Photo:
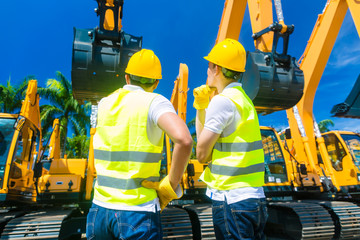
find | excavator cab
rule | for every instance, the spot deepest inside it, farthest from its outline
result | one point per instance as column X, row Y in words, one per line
column 277, row 177
column 344, row 152
column 273, row 80
column 100, row 55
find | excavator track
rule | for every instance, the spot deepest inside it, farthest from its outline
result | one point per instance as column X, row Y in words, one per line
column 6, row 215
column 299, row 220
column 53, row 224
column 346, row 215
column 201, row 219
column 176, row 223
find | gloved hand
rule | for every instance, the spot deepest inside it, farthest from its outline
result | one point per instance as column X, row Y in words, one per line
column 202, row 96
column 163, row 189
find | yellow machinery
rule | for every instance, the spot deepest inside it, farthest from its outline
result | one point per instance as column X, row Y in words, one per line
column 64, row 181
column 304, row 132
column 22, row 215
column 310, row 177
column 21, row 140
column 274, row 82
column 343, row 148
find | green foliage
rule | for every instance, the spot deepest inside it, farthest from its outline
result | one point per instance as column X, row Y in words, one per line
column 64, row 107
column 325, row 124
column 11, row 97
column 77, row 146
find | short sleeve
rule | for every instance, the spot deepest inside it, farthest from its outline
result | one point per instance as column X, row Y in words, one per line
column 219, row 114
column 158, row 107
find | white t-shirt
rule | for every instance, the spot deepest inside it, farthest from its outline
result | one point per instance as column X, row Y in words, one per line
column 158, row 107
column 222, row 117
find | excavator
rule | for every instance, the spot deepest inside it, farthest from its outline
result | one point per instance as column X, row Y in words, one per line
column 300, row 187
column 23, row 216
column 343, row 148
column 315, row 201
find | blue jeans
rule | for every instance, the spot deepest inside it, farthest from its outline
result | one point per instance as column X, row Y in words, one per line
column 104, row 224
column 241, row 220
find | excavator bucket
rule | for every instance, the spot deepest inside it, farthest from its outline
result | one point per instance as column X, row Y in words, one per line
column 100, row 55
column 98, row 65
column 351, row 107
column 273, row 81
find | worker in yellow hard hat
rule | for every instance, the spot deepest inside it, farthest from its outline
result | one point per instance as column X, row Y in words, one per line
column 128, row 145
column 229, row 140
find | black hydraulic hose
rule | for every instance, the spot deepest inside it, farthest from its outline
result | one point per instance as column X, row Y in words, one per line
column 286, row 147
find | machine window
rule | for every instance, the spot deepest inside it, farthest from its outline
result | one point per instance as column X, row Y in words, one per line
column 353, row 143
column 274, row 159
column 6, row 135
column 335, row 150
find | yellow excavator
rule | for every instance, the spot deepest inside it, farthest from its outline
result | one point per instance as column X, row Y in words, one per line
column 298, row 186
column 22, row 215
column 305, row 208
column 275, row 82
column 343, row 148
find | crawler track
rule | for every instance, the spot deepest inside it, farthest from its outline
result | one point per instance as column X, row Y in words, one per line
column 297, row 220
column 176, row 223
column 53, row 224
column 346, row 215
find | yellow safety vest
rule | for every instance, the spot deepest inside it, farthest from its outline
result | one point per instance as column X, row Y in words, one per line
column 238, row 159
column 123, row 154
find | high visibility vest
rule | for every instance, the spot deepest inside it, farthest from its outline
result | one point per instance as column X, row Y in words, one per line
column 123, row 154
column 238, row 159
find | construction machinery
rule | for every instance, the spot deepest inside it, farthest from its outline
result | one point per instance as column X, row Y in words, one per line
column 23, row 216
column 305, row 209
column 300, row 187
column 343, row 148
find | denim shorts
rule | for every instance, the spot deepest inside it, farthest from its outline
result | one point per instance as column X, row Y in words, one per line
column 103, row 223
column 241, row 220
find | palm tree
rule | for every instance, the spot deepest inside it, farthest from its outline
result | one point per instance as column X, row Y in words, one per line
column 78, row 146
column 11, row 96
column 325, row 124
column 64, row 107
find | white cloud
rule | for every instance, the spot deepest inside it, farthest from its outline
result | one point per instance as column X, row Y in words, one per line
column 346, row 124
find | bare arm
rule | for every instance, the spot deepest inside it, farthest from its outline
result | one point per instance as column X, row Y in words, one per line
column 199, row 122
column 205, row 145
column 205, row 138
column 179, row 133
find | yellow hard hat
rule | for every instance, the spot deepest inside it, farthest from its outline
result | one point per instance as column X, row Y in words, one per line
column 229, row 54
column 144, row 64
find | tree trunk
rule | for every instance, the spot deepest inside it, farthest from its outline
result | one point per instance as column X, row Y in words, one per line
column 63, row 145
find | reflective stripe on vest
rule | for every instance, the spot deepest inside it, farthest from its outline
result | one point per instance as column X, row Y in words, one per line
column 127, row 156
column 124, row 184
column 238, row 147
column 124, row 156
column 234, row 171
column 238, row 159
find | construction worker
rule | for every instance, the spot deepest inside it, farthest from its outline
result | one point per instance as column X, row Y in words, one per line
column 128, row 146
column 229, row 140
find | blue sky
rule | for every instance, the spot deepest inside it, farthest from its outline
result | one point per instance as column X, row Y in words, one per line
column 37, row 40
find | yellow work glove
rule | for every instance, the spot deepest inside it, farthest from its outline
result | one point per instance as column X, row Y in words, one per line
column 202, row 96
column 163, row 189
